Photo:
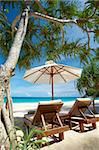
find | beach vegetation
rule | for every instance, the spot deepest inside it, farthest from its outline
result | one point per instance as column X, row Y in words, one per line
column 28, row 141
column 88, row 84
column 40, row 28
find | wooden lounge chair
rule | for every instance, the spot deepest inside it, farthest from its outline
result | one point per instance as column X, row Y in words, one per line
column 80, row 113
column 44, row 118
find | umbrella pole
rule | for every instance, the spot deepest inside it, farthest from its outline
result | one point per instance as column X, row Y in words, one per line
column 52, row 83
column 52, row 88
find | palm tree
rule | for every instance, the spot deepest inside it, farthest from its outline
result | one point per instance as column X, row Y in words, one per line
column 17, row 42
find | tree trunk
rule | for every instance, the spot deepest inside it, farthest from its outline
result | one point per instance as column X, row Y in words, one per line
column 7, row 131
column 4, row 141
column 9, row 105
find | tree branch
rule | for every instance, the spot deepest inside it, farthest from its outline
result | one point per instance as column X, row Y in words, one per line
column 88, row 36
column 55, row 20
column 46, row 17
column 52, row 19
column 62, row 32
column 15, row 22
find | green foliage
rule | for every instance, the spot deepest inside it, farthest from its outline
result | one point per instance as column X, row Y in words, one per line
column 97, row 55
column 46, row 36
column 89, row 17
column 70, row 49
column 68, row 9
column 6, row 38
column 30, row 51
column 88, row 84
column 28, row 141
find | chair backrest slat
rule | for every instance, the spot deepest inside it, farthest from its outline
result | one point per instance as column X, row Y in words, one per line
column 48, row 110
column 82, row 104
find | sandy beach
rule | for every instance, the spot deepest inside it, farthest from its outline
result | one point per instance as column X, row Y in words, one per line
column 73, row 140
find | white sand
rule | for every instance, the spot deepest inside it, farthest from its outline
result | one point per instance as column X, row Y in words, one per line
column 22, row 108
column 77, row 141
column 73, row 140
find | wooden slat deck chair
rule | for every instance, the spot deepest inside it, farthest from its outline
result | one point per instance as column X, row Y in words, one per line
column 81, row 113
column 44, row 118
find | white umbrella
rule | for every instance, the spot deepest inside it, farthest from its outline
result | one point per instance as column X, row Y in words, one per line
column 51, row 73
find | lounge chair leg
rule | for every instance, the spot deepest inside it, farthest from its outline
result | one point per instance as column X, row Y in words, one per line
column 61, row 136
column 81, row 126
column 70, row 124
column 94, row 125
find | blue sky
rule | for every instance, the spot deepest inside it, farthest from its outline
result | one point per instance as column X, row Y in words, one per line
column 19, row 87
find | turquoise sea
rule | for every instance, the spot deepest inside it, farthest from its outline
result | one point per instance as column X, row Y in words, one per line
column 38, row 99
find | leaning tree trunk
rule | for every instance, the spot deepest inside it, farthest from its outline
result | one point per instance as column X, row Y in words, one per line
column 7, row 131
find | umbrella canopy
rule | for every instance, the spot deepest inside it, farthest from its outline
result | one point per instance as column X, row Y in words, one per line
column 51, row 73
